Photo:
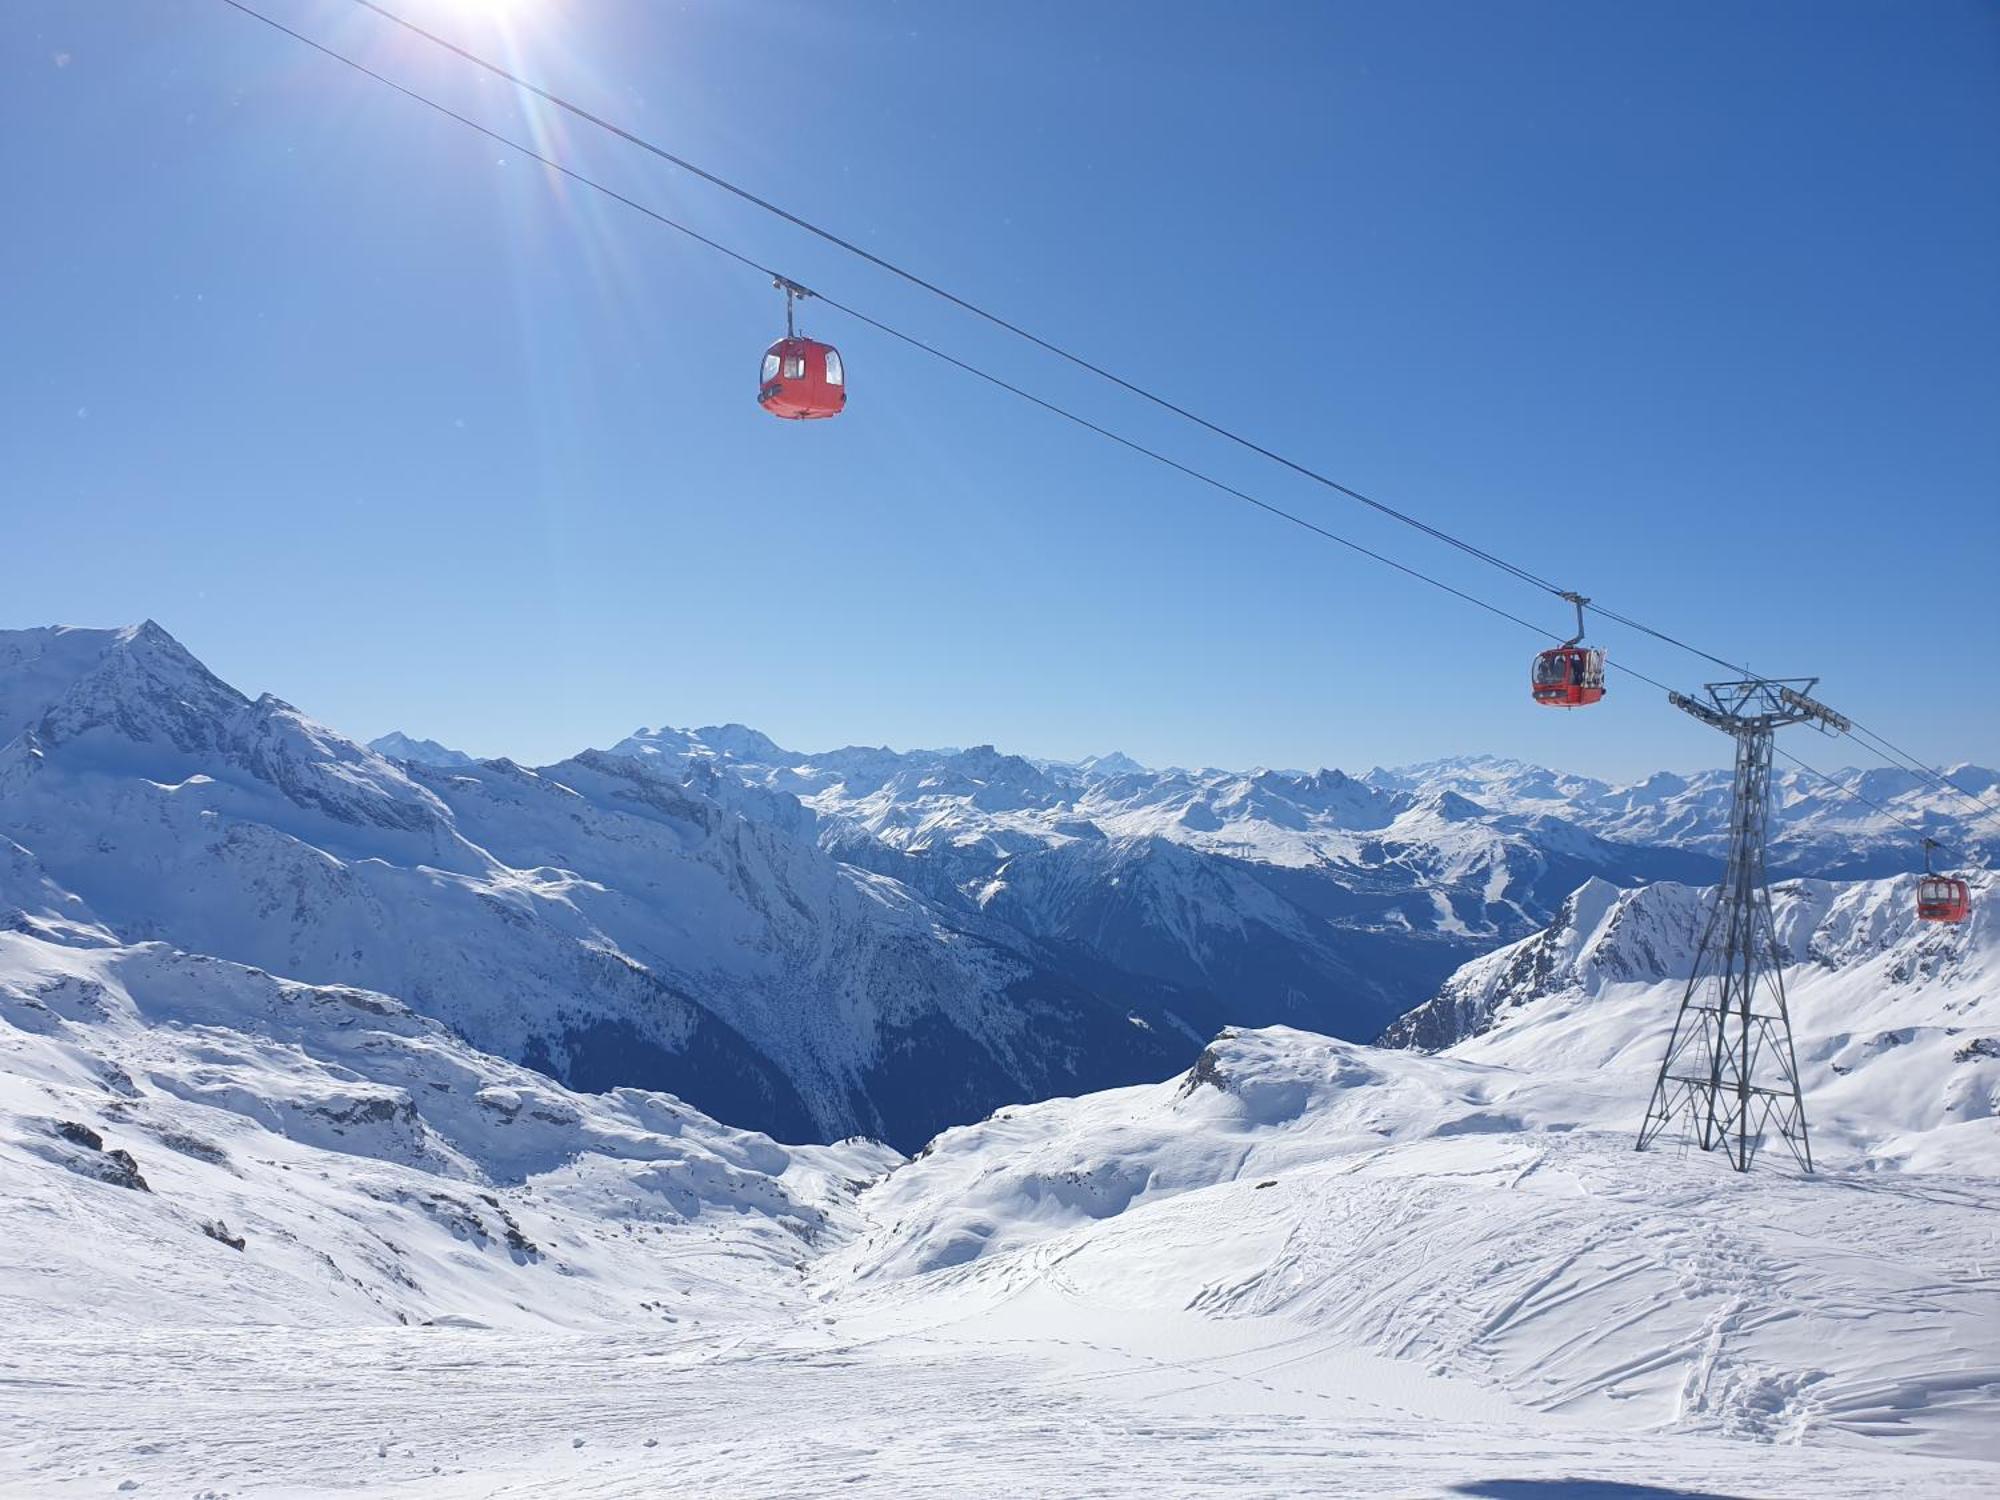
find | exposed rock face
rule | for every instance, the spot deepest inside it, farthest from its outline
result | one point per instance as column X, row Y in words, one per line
column 79, row 1135
column 1594, row 936
column 83, row 1153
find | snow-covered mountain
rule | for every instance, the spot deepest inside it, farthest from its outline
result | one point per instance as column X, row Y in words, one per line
column 1308, row 898
column 1312, row 899
column 813, row 945
column 396, row 745
column 608, row 921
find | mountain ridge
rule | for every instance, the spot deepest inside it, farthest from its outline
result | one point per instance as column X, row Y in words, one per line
column 606, row 920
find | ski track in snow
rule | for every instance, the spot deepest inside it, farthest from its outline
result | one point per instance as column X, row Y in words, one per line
column 1138, row 1407
column 1271, row 1301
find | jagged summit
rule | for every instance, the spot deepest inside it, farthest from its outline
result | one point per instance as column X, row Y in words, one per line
column 135, row 702
column 399, row 746
column 42, row 666
column 1449, row 806
column 1112, row 763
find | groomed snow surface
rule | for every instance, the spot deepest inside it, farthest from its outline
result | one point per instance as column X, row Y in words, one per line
column 344, row 1253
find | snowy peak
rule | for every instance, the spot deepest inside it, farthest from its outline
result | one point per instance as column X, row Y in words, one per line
column 1323, row 796
column 1234, row 807
column 1448, row 807
column 741, row 742
column 134, row 701
column 1599, row 932
column 61, row 682
column 396, row 745
column 982, row 776
column 38, row 666
column 1114, row 763
column 735, row 742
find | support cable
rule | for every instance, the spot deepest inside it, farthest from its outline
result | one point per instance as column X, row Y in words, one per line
column 963, row 303
column 1883, row 747
column 1849, row 791
column 895, row 333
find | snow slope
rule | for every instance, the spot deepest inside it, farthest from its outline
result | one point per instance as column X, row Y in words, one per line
column 1305, row 1265
column 330, row 1158
column 1896, row 1021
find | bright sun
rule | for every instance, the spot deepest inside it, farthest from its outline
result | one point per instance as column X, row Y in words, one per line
column 504, row 15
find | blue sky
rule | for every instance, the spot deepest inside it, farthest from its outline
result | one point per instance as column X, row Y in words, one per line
column 1694, row 307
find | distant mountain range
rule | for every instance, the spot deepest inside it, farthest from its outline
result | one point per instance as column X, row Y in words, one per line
column 1863, row 825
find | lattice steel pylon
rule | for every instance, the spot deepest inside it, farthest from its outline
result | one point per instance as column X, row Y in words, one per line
column 1730, row 1067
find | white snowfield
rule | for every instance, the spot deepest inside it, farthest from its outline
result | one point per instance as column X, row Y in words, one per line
column 260, row 1238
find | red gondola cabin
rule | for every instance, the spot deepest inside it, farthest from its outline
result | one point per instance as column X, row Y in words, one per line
column 802, row 379
column 1943, row 898
column 1569, row 676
